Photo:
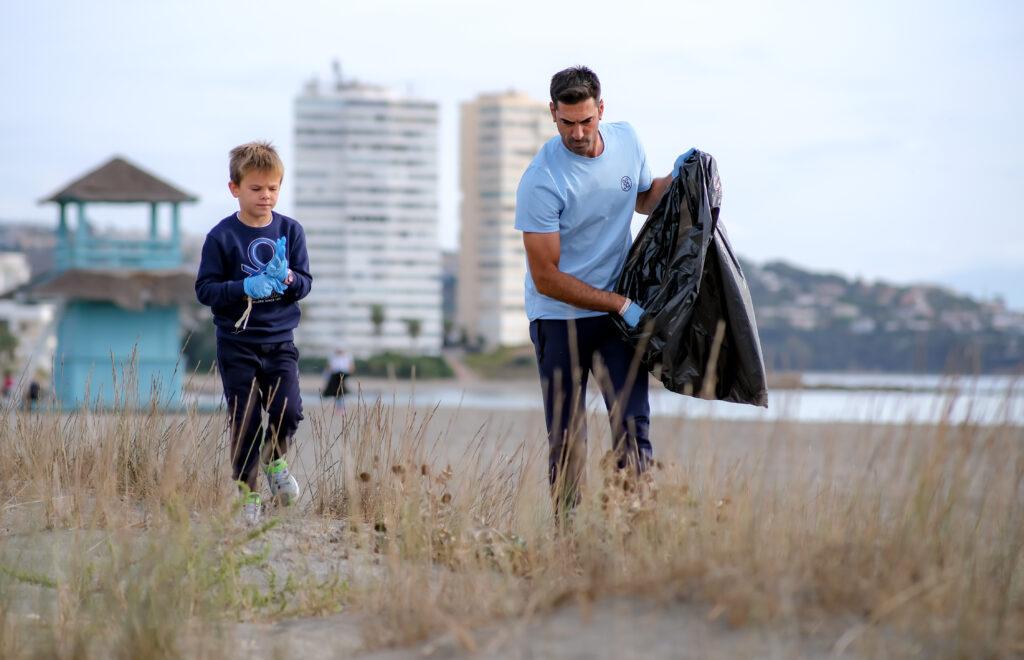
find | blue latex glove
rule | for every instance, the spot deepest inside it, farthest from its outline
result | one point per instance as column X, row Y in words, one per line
column 679, row 162
column 632, row 314
column 278, row 267
column 258, row 286
column 276, row 285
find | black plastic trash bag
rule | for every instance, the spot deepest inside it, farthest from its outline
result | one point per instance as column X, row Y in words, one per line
column 682, row 271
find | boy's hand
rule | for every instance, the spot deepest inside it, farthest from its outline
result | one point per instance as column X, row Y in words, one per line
column 276, row 285
column 277, row 269
column 259, row 286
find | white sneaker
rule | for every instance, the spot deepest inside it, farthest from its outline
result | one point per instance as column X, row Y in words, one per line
column 283, row 486
column 252, row 508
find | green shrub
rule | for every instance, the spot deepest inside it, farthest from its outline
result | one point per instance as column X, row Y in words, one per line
column 312, row 364
column 504, row 362
column 385, row 365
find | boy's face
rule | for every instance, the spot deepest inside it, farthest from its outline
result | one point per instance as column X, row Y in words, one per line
column 257, row 195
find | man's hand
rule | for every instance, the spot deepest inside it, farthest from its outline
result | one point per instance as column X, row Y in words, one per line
column 277, row 269
column 633, row 313
column 679, row 162
column 259, row 286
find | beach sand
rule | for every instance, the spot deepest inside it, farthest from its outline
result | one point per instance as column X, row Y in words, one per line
column 769, row 455
column 838, row 456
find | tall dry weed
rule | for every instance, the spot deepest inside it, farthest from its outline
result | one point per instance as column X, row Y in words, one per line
column 918, row 532
column 911, row 530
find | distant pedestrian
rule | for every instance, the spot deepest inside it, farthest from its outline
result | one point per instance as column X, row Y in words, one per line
column 253, row 273
column 32, row 395
column 574, row 206
column 339, row 367
column 8, row 387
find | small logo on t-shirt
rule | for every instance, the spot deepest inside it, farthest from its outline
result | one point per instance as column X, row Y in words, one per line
column 627, row 183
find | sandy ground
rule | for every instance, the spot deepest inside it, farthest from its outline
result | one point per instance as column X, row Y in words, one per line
column 611, row 628
column 781, row 449
column 616, row 627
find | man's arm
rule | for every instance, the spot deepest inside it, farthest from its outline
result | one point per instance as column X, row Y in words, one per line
column 542, row 253
column 648, row 199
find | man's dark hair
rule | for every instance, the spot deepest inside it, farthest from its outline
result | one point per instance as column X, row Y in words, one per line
column 575, row 84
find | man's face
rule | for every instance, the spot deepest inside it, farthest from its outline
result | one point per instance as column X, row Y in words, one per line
column 577, row 124
column 257, row 194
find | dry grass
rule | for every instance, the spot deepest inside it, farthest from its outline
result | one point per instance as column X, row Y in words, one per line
column 918, row 534
column 924, row 536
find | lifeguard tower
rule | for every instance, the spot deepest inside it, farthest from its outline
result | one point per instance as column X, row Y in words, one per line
column 119, row 333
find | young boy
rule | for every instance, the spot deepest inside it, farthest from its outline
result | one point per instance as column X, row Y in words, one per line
column 253, row 272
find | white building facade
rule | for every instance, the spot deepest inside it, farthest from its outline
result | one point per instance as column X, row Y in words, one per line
column 34, row 326
column 366, row 186
column 14, row 270
column 500, row 135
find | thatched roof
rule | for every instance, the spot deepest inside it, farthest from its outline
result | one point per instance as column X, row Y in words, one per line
column 118, row 180
column 129, row 289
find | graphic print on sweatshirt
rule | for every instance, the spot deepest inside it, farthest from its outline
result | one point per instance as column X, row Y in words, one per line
column 260, row 252
column 258, row 258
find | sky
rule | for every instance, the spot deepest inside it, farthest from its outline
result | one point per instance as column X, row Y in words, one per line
column 874, row 139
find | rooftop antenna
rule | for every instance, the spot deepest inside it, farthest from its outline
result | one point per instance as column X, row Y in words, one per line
column 336, row 68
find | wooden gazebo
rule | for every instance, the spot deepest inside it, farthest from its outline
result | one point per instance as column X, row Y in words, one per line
column 119, row 333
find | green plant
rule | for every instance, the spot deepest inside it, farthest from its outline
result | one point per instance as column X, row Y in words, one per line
column 312, row 364
column 385, row 365
column 504, row 362
column 377, row 318
column 414, row 327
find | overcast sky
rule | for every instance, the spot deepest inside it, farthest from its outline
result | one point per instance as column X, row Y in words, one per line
column 873, row 138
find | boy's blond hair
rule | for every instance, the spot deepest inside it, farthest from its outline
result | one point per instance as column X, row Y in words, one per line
column 254, row 156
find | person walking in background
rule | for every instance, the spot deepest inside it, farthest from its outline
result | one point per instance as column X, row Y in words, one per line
column 8, row 384
column 574, row 206
column 339, row 367
column 254, row 271
column 33, row 393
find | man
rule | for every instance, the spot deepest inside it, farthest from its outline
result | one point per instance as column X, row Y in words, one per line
column 574, row 206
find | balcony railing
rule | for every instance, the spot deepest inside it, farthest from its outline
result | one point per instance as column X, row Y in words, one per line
column 116, row 253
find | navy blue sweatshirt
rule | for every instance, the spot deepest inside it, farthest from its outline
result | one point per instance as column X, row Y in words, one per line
column 234, row 251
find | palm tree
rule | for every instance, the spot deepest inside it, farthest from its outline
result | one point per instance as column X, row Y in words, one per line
column 377, row 319
column 413, row 327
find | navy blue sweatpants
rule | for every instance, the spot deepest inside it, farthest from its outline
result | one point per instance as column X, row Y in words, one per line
column 259, row 377
column 565, row 357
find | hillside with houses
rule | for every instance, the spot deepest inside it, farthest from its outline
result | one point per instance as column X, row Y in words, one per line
column 817, row 321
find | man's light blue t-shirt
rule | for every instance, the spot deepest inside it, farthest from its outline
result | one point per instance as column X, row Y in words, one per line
column 590, row 202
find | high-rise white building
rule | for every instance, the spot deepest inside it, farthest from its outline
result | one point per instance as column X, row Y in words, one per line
column 500, row 135
column 365, row 177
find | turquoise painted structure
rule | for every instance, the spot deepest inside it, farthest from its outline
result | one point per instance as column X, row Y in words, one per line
column 109, row 355
column 77, row 247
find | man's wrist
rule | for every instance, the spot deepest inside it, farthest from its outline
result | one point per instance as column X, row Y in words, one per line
column 625, row 305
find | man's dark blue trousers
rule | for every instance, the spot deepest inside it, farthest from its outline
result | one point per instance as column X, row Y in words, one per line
column 259, row 377
column 566, row 351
